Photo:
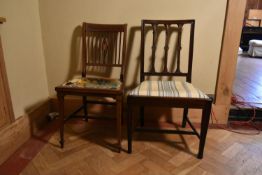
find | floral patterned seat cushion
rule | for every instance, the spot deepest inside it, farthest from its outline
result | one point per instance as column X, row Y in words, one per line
column 97, row 83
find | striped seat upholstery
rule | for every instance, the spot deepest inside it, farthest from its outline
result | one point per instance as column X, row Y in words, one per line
column 167, row 89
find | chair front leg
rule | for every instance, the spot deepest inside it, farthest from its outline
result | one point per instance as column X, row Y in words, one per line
column 129, row 129
column 142, row 116
column 61, row 118
column 85, row 108
column 119, row 120
column 204, row 127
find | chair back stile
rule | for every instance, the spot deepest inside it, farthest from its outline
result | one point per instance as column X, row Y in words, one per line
column 167, row 26
column 103, row 46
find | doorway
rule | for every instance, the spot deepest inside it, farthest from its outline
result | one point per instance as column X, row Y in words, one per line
column 247, row 88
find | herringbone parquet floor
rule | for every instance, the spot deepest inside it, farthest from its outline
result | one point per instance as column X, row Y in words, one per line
column 88, row 151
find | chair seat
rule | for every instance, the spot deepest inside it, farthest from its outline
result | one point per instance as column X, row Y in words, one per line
column 97, row 83
column 168, row 89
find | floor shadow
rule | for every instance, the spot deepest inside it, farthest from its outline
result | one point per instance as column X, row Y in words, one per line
column 37, row 115
column 180, row 144
column 102, row 133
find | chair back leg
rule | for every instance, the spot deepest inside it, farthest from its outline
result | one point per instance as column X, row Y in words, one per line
column 129, row 129
column 142, row 116
column 184, row 117
column 85, row 108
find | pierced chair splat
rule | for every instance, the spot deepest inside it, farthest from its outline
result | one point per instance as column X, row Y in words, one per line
column 167, row 91
column 103, row 47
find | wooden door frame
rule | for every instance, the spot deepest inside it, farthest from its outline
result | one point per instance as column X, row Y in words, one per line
column 228, row 58
column 6, row 103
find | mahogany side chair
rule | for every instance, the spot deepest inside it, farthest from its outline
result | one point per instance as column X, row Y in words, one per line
column 103, row 47
column 167, row 92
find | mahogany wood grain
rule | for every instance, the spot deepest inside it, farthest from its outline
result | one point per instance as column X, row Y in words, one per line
column 103, row 45
column 156, row 25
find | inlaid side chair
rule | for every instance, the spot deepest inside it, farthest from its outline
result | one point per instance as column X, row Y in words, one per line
column 167, row 92
column 103, row 47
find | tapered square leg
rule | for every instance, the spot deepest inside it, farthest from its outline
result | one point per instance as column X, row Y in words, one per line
column 85, row 108
column 204, row 127
column 119, row 121
column 61, row 118
column 129, row 130
column 141, row 116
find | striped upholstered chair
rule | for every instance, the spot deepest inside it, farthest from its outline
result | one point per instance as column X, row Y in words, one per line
column 170, row 92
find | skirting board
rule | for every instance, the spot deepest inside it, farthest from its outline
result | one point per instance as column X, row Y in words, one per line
column 13, row 136
column 18, row 132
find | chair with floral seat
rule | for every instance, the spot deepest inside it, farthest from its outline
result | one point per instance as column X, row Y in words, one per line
column 103, row 47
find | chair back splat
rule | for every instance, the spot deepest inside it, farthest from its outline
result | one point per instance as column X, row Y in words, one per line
column 103, row 45
column 169, row 27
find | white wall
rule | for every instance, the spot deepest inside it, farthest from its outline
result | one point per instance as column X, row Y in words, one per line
column 61, row 40
column 23, row 53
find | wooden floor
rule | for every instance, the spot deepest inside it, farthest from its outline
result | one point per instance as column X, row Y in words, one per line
column 248, row 81
column 87, row 151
